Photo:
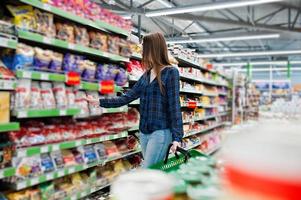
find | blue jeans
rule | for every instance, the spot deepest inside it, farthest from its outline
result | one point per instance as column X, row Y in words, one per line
column 154, row 146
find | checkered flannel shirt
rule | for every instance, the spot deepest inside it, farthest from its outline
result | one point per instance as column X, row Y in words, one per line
column 157, row 111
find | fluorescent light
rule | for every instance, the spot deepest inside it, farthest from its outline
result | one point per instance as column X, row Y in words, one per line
column 250, row 54
column 165, row 3
column 257, row 63
column 273, row 69
column 206, row 7
column 233, row 38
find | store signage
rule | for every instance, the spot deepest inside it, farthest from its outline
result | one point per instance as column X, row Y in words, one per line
column 192, row 104
column 106, row 87
column 72, row 78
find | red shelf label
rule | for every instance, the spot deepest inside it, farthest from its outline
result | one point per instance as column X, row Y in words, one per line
column 72, row 78
column 106, row 87
column 191, row 104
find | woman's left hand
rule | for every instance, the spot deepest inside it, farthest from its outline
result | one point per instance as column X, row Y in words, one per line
column 175, row 144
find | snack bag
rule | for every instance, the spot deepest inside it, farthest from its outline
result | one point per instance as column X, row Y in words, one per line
column 65, row 32
column 94, row 110
column 88, row 153
column 82, row 103
column 99, row 41
column 42, row 58
column 57, row 159
column 100, row 150
column 23, row 16
column 27, row 167
column 22, row 94
column 47, row 190
column 59, row 91
column 113, row 45
column 45, row 23
column 70, row 97
column 81, row 36
column 24, row 57
column 56, row 62
column 46, row 163
column 88, row 72
column 68, row 158
column 35, row 96
column 121, row 78
column 47, row 95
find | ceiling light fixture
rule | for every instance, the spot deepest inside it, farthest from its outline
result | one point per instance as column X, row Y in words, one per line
column 250, row 54
column 257, row 63
column 224, row 39
column 206, row 7
column 273, row 69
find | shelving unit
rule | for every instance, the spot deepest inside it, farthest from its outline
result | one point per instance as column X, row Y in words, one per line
column 35, row 37
column 24, row 115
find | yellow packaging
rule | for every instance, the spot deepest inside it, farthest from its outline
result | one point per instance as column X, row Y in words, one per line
column 4, row 107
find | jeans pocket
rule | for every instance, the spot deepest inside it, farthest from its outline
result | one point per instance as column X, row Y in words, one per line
column 162, row 136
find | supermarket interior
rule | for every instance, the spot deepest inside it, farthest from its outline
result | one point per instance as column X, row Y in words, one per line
column 239, row 96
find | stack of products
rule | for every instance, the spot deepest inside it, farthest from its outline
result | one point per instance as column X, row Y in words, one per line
column 185, row 53
column 134, row 69
column 76, row 183
column 36, row 132
column 30, row 19
column 185, row 86
column 27, row 57
column 253, row 98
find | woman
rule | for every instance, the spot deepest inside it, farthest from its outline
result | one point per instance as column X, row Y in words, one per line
column 158, row 90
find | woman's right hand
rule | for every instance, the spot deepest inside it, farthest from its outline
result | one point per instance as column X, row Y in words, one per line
column 91, row 100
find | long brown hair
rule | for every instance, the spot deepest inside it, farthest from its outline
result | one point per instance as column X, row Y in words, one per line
column 155, row 55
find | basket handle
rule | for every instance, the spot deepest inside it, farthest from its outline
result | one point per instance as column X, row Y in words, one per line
column 179, row 149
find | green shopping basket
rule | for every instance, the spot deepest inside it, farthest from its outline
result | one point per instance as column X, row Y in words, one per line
column 173, row 162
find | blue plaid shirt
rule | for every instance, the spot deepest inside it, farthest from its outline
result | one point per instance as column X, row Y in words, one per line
column 157, row 111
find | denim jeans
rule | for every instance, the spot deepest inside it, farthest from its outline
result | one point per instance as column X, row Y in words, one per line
column 154, row 146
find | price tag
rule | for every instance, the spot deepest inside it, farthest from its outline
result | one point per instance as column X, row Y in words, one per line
column 26, row 74
column 21, row 153
column 1, row 174
column 106, row 87
column 21, row 185
column 73, row 198
column 47, row 40
column 61, row 173
column 49, row 176
column 3, row 42
column 63, row 112
column 44, row 149
column 22, row 114
column 44, row 76
column 34, row 181
column 89, row 141
column 46, row 7
column 72, row 78
column 78, row 143
column 71, row 170
column 71, row 46
column 55, row 147
column 192, row 104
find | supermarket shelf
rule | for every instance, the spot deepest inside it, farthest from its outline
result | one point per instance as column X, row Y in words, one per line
column 189, row 63
column 136, row 102
column 12, row 126
column 199, row 80
column 8, row 43
column 210, row 94
column 30, row 151
column 7, row 84
column 116, row 110
column 204, row 130
column 35, row 37
column 223, row 94
column 202, row 118
column 136, row 56
column 135, row 128
column 190, row 91
column 212, row 151
column 133, row 78
column 101, row 25
column 210, row 106
column 65, row 171
column 83, row 193
column 33, row 113
column 46, row 76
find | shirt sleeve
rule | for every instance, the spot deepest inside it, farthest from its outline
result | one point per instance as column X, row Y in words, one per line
column 124, row 99
column 174, row 106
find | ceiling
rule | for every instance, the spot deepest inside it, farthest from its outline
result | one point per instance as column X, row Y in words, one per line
column 281, row 17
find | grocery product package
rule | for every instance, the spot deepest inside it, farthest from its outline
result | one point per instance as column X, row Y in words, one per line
column 4, row 107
